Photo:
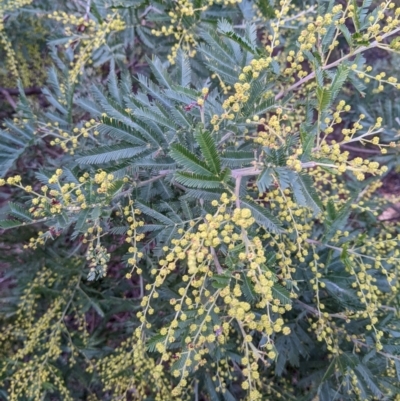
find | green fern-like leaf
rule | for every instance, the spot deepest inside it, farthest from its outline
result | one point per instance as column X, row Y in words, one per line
column 226, row 29
column 6, row 224
column 305, row 193
column 13, row 143
column 262, row 216
column 339, row 80
column 209, row 151
column 20, row 212
column 324, row 97
column 197, row 181
column 106, row 154
column 189, row 160
column 233, row 158
column 146, row 209
column 120, row 131
column 282, row 294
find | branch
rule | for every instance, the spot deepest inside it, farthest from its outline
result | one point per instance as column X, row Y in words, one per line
column 309, row 10
column 148, row 9
column 251, row 171
column 9, row 99
column 88, row 5
column 218, row 266
column 317, row 313
column 237, row 190
column 143, row 183
column 15, row 91
column 225, row 137
column 335, row 63
column 357, row 342
column 319, row 243
column 361, row 150
column 245, row 172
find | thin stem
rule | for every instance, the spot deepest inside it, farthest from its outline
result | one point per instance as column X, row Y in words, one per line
column 243, row 172
column 335, row 63
column 309, row 10
column 317, row 312
column 88, row 4
column 9, row 99
column 225, row 137
column 202, row 116
column 218, row 266
column 357, row 342
column 361, row 150
column 314, row 242
column 143, row 183
column 237, row 190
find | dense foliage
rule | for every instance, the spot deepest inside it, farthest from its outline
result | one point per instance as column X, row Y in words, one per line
column 193, row 196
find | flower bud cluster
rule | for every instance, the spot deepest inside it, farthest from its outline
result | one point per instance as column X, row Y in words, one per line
column 86, row 35
column 131, row 216
column 40, row 333
column 183, row 23
column 69, row 141
column 199, row 302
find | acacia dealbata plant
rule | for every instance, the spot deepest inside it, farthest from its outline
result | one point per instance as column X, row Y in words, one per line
column 192, row 200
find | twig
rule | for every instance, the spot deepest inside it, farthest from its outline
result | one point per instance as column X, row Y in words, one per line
column 361, row 150
column 148, row 9
column 251, row 171
column 88, row 4
column 237, row 190
column 225, row 137
column 358, row 342
column 28, row 91
column 237, row 202
column 389, row 308
column 143, row 183
column 141, row 295
column 309, row 10
column 244, row 172
column 180, row 186
column 218, row 266
column 316, row 311
column 314, row 242
column 202, row 118
column 334, row 64
column 9, row 99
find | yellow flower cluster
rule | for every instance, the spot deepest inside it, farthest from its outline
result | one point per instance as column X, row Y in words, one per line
column 58, row 197
column 183, row 31
column 133, row 237
column 276, row 26
column 129, row 367
column 380, row 24
column 272, row 131
column 308, row 37
column 333, row 150
column 68, row 141
column 234, row 103
column 326, row 330
column 380, row 78
column 384, row 17
column 199, row 247
column 87, row 36
column 97, row 256
column 9, row 7
column 104, row 181
column 33, row 363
